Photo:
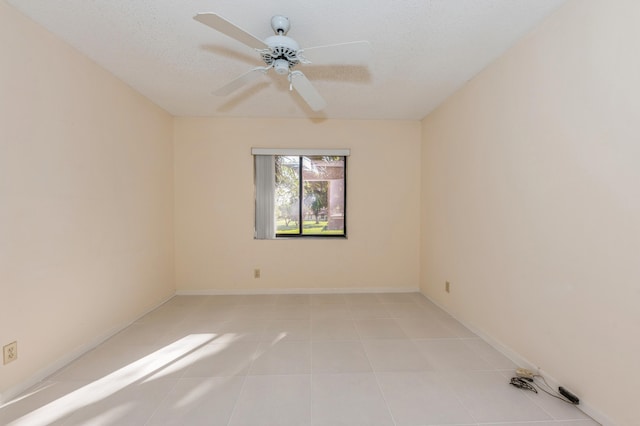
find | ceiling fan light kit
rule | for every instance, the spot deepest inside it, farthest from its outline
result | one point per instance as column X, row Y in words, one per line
column 283, row 53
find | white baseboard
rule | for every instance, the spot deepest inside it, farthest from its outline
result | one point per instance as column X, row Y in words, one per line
column 242, row 292
column 42, row 374
column 587, row 408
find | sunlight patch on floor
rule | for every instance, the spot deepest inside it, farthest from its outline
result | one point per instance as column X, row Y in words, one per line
column 116, row 381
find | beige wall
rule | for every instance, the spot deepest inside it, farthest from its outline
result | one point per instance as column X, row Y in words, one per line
column 215, row 249
column 531, row 202
column 86, row 201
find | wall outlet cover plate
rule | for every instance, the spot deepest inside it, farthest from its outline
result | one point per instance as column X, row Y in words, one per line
column 10, row 352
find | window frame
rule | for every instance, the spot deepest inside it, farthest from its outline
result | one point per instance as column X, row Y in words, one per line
column 300, row 153
column 300, row 233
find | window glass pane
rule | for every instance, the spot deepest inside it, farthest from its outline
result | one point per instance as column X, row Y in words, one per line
column 287, row 200
column 323, row 195
column 308, row 195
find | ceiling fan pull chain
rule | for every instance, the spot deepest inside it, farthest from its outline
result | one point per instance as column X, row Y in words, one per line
column 292, row 75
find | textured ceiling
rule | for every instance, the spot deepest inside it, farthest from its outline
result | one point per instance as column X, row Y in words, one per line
column 423, row 50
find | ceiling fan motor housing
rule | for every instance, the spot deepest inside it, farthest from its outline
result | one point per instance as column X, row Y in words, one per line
column 282, row 53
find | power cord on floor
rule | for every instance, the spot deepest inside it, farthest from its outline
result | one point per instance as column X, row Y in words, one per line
column 522, row 383
column 526, row 381
column 552, row 392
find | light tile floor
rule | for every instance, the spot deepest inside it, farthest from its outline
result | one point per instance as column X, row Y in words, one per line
column 326, row 359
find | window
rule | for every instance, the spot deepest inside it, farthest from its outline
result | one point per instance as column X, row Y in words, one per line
column 300, row 193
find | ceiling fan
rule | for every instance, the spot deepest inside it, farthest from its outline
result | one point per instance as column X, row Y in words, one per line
column 283, row 53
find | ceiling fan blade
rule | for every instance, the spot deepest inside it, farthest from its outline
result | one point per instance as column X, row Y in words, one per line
column 309, row 93
column 218, row 23
column 240, row 81
column 352, row 53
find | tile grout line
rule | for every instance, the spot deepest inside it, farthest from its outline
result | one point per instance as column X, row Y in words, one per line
column 244, row 381
column 311, row 367
column 375, row 375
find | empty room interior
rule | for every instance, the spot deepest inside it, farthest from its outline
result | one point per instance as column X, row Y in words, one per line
column 466, row 202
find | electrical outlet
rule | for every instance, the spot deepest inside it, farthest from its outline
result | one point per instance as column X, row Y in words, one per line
column 256, row 273
column 447, row 287
column 10, row 352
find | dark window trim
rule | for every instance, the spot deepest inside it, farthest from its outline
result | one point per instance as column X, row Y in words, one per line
column 300, row 198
